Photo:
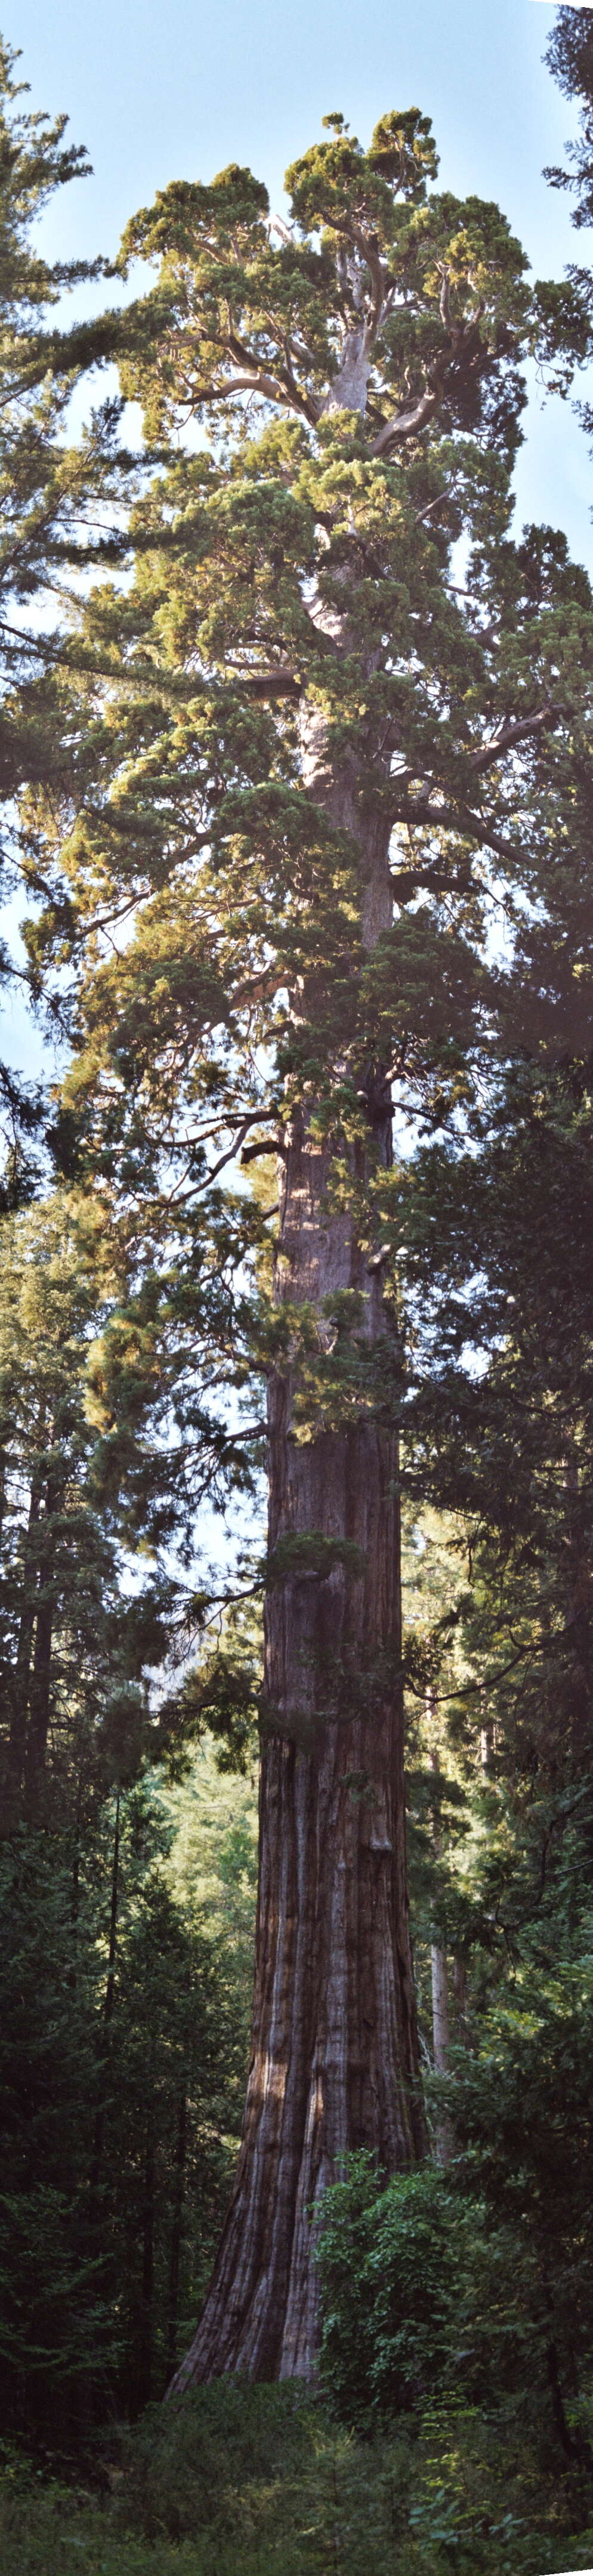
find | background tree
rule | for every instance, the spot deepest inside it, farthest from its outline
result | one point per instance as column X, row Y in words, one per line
column 75, row 1650
column 60, row 502
column 119, row 2127
column 569, row 53
column 497, row 1268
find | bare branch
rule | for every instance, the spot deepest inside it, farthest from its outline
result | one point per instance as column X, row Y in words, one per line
column 406, row 422
column 264, row 1145
column 276, row 225
column 515, row 731
column 420, row 515
column 407, row 881
column 369, row 251
column 445, row 299
column 450, row 818
column 269, row 684
column 257, row 381
column 230, row 1154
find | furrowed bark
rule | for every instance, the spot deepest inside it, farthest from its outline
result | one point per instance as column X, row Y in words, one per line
column 334, row 2038
column 334, row 2049
column 334, row 2057
column 334, row 2062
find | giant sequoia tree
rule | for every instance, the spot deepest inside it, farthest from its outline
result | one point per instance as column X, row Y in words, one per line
column 319, row 759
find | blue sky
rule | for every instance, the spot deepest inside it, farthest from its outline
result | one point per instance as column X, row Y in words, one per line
column 166, row 91
column 159, row 92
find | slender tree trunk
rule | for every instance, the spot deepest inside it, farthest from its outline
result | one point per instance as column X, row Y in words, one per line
column 39, row 1699
column 113, row 1912
column 439, row 1969
column 573, row 2440
column 486, row 1737
column 75, row 1885
column 177, row 2224
column 144, row 2389
column 40, row 1680
column 21, row 1677
column 99, row 2128
column 334, row 2060
column 459, row 1991
column 578, row 1598
column 440, row 2011
column 439, row 1966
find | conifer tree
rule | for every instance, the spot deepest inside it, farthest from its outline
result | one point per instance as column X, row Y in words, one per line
column 60, row 502
column 323, row 751
column 569, row 53
column 75, row 1643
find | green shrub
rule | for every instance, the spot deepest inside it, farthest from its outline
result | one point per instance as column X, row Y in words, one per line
column 267, row 2486
column 194, row 2457
column 393, row 2264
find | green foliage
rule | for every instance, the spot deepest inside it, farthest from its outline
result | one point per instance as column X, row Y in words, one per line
column 311, row 1555
column 199, row 679
column 523, row 2106
column 60, row 504
column 495, row 1262
column 263, row 2434
column 392, row 2265
column 356, row 376
column 184, row 811
column 478, row 2282
column 260, row 2476
column 56, row 2331
column 124, row 2035
column 75, row 1643
column 569, row 53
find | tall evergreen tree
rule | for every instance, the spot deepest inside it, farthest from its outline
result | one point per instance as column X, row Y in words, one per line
column 60, row 502
column 322, row 756
column 569, row 54
column 76, row 1641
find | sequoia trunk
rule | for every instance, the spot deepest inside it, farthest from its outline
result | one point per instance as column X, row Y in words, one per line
column 334, row 2042
column 334, row 2054
column 334, row 2046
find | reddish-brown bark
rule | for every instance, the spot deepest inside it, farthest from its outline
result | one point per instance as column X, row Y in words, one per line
column 334, row 2056
column 334, row 2050
column 334, row 2041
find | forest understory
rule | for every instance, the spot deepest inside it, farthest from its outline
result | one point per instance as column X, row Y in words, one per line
column 262, row 2477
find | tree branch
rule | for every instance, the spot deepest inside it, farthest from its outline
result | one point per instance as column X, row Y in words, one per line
column 269, row 684
column 411, row 880
column 267, row 1145
column 514, row 731
column 449, row 818
column 406, row 422
column 257, row 382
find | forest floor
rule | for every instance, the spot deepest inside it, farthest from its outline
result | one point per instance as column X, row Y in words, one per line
column 258, row 2482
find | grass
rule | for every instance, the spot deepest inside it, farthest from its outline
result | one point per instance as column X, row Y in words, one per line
column 240, row 2481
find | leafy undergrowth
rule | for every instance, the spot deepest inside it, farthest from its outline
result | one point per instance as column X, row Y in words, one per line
column 260, row 2481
